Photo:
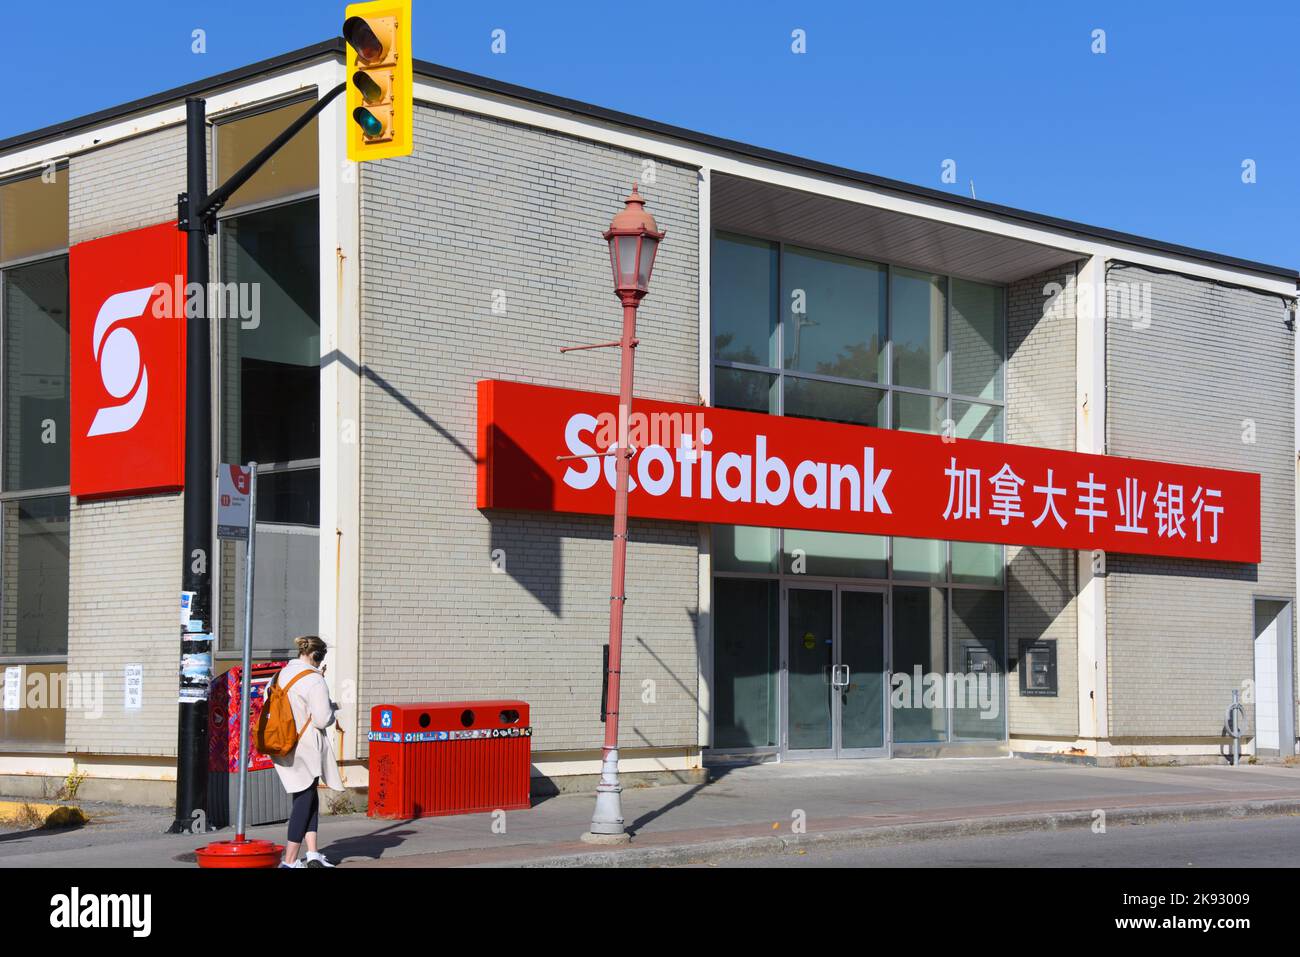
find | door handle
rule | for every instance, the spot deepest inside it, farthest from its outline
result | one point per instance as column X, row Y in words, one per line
column 846, row 676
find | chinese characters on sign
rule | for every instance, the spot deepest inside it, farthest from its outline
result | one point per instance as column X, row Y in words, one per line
column 1090, row 503
column 548, row 449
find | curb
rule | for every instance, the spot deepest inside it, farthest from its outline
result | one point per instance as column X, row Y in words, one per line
column 712, row 851
column 35, row 815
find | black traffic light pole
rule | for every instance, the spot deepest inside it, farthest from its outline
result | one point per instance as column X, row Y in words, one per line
column 197, row 218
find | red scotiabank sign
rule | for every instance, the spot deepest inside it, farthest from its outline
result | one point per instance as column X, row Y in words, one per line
column 696, row 464
column 128, row 362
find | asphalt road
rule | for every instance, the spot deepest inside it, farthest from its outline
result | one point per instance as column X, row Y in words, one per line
column 1257, row 842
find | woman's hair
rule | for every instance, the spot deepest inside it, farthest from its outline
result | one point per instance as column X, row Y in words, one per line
column 311, row 645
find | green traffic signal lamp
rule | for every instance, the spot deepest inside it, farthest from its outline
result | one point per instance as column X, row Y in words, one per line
column 369, row 124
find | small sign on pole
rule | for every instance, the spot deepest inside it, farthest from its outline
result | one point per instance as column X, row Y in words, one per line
column 234, row 501
column 236, row 511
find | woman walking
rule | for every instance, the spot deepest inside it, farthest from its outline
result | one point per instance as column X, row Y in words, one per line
column 312, row 760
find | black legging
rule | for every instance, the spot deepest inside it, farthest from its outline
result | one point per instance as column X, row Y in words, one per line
column 305, row 815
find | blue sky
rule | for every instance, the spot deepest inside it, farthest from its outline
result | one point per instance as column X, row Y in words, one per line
column 1148, row 137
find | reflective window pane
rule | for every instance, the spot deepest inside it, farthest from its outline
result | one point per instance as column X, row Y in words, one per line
column 742, row 389
column 742, row 304
column 978, row 339
column 39, row 725
column 833, row 401
column 34, row 215
column 289, row 498
column 833, row 308
column 741, row 548
column 294, row 170
column 271, row 361
column 35, row 545
column 810, row 624
column 976, row 662
column 920, row 633
column 833, row 555
column 977, row 421
column 917, row 316
column 36, row 375
column 920, row 559
column 919, row 413
column 976, row 563
column 746, row 663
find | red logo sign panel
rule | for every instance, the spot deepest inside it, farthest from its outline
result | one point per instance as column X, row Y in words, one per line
column 128, row 362
column 543, row 448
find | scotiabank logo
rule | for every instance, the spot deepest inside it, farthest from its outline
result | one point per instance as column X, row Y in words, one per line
column 118, row 352
column 127, row 363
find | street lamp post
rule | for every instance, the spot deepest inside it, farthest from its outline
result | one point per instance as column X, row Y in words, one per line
column 633, row 239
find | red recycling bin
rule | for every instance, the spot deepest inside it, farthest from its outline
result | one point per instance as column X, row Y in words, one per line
column 449, row 757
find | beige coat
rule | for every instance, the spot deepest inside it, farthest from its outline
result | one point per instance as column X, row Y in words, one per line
column 313, row 757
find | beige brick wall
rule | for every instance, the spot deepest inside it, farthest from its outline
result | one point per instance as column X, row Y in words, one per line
column 1182, row 385
column 128, row 185
column 124, row 593
column 124, row 570
column 485, row 205
column 1042, row 582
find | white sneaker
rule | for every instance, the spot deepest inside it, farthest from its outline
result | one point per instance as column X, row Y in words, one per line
column 317, row 859
column 294, row 864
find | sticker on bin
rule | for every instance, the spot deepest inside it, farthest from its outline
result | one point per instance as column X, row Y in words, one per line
column 386, row 718
column 415, row 737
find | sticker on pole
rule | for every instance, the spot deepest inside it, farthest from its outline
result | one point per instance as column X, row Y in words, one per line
column 234, row 487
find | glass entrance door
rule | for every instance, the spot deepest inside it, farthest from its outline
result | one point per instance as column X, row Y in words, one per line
column 835, row 671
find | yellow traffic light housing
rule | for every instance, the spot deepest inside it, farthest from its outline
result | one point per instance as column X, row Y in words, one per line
column 380, row 100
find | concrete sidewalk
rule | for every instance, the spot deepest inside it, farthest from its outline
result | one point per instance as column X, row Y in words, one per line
column 739, row 811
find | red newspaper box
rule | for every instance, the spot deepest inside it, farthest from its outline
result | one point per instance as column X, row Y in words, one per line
column 448, row 757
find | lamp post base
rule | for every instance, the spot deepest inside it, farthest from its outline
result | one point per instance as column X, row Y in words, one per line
column 607, row 821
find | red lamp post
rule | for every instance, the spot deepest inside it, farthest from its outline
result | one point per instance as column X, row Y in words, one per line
column 633, row 239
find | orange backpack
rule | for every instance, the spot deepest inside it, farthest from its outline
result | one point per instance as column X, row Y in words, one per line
column 277, row 732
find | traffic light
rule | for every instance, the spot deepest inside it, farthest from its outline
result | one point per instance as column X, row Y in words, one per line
column 380, row 100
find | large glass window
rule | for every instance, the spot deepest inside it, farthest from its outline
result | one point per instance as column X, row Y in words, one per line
column 271, row 392
column 919, row 413
column 834, row 555
column 271, row 414
column 814, row 334
column 34, row 215
column 920, row 559
column 34, row 333
column 742, row 548
column 746, row 662
column 743, row 389
column 833, row 309
column 35, row 534
column 834, row 401
column 978, row 339
column 293, row 171
column 919, row 635
column 819, row 335
column 918, row 313
column 36, row 375
column 743, row 303
column 34, row 500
